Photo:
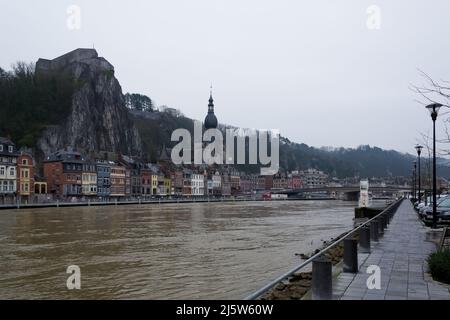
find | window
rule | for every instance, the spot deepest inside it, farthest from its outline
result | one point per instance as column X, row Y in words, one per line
column 26, row 187
column 12, row 171
column 1, row 147
column 10, row 148
column 2, row 171
column 24, row 161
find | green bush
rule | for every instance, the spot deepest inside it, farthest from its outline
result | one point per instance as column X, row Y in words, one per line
column 439, row 264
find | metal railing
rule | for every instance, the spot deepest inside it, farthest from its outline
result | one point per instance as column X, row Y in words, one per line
column 390, row 209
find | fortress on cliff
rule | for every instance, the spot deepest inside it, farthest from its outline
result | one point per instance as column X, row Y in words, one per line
column 81, row 55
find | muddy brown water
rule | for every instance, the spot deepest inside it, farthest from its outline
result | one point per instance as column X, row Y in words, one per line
column 170, row 251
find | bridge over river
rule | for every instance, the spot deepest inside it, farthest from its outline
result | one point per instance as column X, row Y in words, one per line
column 348, row 192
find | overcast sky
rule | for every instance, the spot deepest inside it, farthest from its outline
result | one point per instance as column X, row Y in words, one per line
column 312, row 69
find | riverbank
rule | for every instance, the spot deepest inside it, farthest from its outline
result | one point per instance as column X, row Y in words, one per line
column 298, row 285
column 58, row 204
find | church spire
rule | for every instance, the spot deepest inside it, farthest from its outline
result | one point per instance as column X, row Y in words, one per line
column 210, row 120
column 211, row 101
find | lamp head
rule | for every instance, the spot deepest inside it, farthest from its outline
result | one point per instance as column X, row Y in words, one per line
column 419, row 149
column 434, row 109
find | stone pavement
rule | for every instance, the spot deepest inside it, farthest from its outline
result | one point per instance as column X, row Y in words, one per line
column 401, row 255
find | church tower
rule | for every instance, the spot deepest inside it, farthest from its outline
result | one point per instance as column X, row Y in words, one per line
column 211, row 120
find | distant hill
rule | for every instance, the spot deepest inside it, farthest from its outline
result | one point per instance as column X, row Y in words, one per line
column 156, row 127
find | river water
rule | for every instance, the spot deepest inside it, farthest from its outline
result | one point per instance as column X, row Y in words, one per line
column 168, row 251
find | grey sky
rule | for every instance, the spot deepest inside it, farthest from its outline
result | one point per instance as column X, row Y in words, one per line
column 309, row 68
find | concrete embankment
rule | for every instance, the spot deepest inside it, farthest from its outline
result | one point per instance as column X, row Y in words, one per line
column 141, row 202
column 297, row 285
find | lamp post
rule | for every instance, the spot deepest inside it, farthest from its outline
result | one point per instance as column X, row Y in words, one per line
column 419, row 151
column 434, row 109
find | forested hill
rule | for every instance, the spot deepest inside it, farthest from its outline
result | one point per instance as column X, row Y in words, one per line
column 365, row 161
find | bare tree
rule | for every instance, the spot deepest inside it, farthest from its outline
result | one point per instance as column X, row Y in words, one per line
column 432, row 91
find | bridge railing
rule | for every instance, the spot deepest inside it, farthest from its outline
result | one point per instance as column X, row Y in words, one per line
column 322, row 267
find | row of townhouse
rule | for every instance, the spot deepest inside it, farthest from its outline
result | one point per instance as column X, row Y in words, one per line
column 17, row 174
column 69, row 174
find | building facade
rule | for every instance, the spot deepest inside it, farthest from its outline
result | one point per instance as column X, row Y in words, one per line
column 103, row 178
column 198, row 184
column 25, row 176
column 313, row 178
column 8, row 168
column 117, row 181
column 89, row 179
column 63, row 172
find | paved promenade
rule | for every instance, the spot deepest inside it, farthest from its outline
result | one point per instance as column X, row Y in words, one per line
column 401, row 255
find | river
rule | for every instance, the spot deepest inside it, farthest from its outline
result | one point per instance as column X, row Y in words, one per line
column 169, row 251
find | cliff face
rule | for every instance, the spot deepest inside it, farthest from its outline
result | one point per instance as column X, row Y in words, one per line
column 98, row 120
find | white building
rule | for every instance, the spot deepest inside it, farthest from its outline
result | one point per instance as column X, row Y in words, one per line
column 217, row 181
column 8, row 167
column 198, row 184
column 313, row 178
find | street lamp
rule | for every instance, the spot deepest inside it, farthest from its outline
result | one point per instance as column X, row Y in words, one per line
column 419, row 151
column 434, row 109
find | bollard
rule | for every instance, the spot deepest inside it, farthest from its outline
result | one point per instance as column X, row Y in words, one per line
column 350, row 255
column 374, row 230
column 380, row 226
column 387, row 218
column 321, row 278
column 364, row 239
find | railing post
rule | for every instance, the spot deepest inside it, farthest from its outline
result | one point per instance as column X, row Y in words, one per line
column 380, row 226
column 374, row 230
column 364, row 239
column 388, row 216
column 321, row 278
column 350, row 256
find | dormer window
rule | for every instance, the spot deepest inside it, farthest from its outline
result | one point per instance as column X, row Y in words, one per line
column 10, row 148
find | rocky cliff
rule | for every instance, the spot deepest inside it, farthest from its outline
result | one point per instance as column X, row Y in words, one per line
column 98, row 119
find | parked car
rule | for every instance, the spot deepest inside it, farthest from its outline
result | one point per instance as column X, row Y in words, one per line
column 442, row 212
column 422, row 208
